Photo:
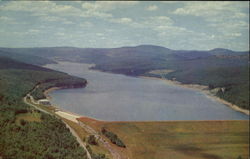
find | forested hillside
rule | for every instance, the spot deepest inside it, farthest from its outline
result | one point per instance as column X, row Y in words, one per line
column 27, row 133
column 29, row 59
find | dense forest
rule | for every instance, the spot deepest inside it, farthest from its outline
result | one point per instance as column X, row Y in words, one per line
column 218, row 68
column 27, row 133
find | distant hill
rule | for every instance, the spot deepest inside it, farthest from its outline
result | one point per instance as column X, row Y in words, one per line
column 99, row 55
column 221, row 51
column 8, row 63
column 30, row 59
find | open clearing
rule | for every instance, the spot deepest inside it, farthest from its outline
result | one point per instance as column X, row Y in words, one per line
column 181, row 139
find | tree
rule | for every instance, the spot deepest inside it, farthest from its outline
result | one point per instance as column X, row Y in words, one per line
column 92, row 140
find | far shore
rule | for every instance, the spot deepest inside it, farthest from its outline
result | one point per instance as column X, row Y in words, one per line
column 203, row 89
column 197, row 87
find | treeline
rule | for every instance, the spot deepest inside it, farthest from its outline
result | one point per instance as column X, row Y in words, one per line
column 236, row 94
column 230, row 74
column 68, row 82
column 113, row 138
column 234, row 81
column 47, row 139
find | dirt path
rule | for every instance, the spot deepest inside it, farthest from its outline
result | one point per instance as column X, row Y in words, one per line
column 82, row 144
column 90, row 130
column 69, row 116
column 105, row 144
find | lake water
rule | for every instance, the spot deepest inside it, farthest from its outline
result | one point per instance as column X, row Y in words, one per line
column 117, row 97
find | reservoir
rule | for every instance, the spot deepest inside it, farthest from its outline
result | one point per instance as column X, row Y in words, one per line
column 116, row 97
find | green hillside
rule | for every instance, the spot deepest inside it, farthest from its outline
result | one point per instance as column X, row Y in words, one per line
column 27, row 133
column 29, row 59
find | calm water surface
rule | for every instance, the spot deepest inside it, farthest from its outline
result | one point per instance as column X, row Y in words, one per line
column 117, row 97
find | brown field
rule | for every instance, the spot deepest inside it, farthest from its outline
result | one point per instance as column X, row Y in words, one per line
column 181, row 139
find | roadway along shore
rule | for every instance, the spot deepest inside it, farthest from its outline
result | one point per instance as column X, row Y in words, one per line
column 82, row 144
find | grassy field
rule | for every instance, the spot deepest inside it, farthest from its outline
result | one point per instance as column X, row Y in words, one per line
column 182, row 139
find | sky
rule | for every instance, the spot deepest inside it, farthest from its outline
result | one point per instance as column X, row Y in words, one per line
column 178, row 25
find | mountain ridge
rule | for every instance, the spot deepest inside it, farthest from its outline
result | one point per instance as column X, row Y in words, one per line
column 136, row 46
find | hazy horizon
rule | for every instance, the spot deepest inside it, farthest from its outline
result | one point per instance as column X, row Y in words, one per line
column 118, row 47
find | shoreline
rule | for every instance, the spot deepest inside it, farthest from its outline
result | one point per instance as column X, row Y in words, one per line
column 92, row 119
column 64, row 111
column 203, row 89
column 47, row 91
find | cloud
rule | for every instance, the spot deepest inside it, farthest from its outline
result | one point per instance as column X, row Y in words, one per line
column 166, row 30
column 7, row 20
column 33, row 31
column 156, row 21
column 224, row 16
column 60, row 34
column 28, row 6
column 51, row 18
column 86, row 24
column 29, row 32
column 45, row 8
column 94, row 13
column 41, row 8
column 207, row 9
column 152, row 8
column 68, row 22
column 152, row 22
column 170, row 2
column 4, row 18
column 122, row 20
column 102, row 8
column 107, row 5
column 99, row 34
column 231, row 28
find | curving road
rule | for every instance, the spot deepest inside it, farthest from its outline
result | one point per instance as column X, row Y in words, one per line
column 82, row 144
